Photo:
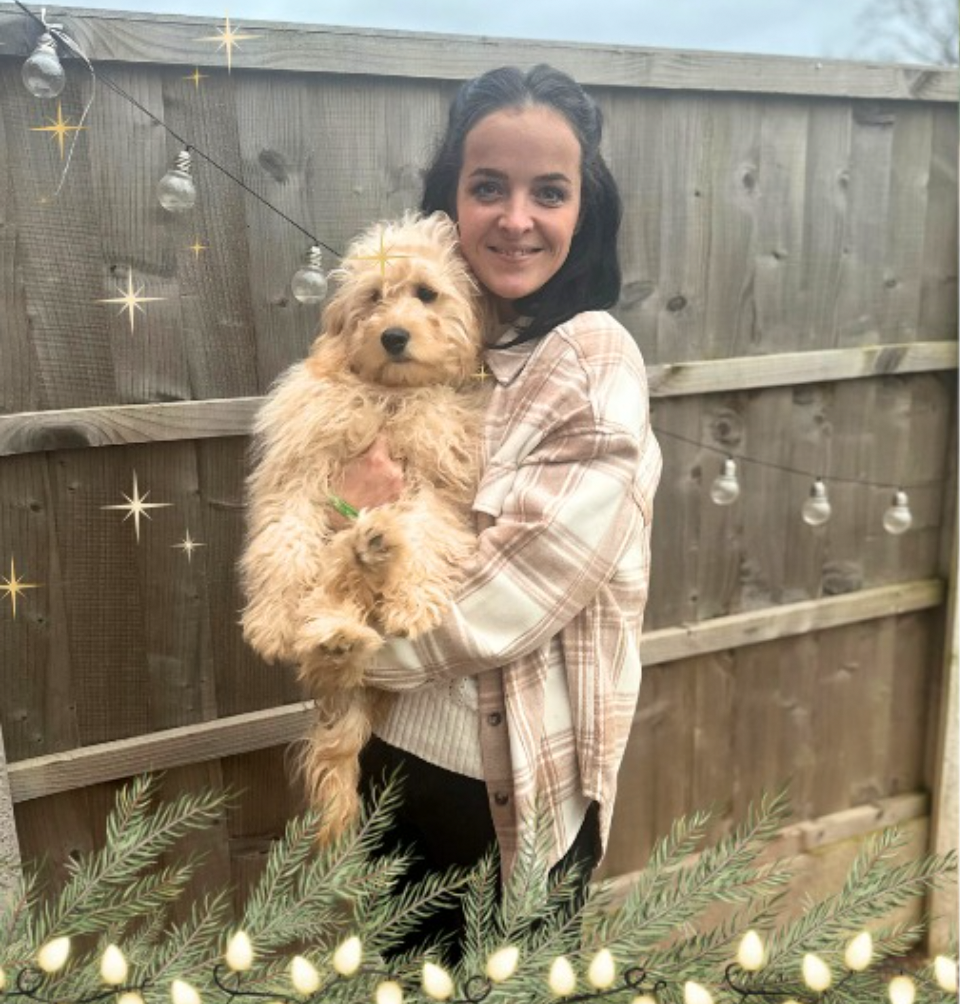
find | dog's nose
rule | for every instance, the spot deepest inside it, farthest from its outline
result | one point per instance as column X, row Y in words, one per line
column 394, row 340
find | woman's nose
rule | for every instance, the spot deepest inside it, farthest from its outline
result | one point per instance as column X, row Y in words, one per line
column 515, row 217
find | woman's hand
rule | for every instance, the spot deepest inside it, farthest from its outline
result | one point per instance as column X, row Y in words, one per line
column 372, row 479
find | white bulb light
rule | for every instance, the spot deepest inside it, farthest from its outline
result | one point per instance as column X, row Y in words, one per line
column 502, row 964
column 52, row 957
column 816, row 973
column 389, row 992
column 347, row 957
column 750, row 954
column 902, row 990
column 859, row 952
column 130, row 997
column 182, row 992
column 176, row 190
column 3, row 978
column 309, row 284
column 945, row 973
column 113, row 966
column 816, row 510
column 602, row 971
column 42, row 73
column 239, row 953
column 694, row 993
column 436, row 982
column 725, row 489
column 304, row 976
column 562, row 979
column 898, row 518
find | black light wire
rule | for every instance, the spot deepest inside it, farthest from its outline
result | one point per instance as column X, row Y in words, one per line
column 68, row 43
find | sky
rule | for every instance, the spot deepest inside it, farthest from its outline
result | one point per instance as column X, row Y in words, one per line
column 816, row 28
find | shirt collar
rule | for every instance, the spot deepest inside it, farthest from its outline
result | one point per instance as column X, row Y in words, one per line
column 506, row 364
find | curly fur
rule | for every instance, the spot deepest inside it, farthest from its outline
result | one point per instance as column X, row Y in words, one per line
column 322, row 597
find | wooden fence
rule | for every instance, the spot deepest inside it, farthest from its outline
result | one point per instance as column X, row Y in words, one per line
column 790, row 274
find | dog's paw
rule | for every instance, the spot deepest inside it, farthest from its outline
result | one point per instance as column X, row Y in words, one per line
column 408, row 619
column 332, row 651
column 376, row 540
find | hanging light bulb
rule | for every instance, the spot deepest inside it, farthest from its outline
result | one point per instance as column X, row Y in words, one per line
column 309, row 284
column 304, row 976
column 859, row 952
column 898, row 518
column 816, row 510
column 751, row 954
column 816, row 973
column 113, row 966
column 240, row 952
column 42, row 73
column 725, row 489
column 945, row 972
column 694, row 993
column 603, row 970
column 176, row 190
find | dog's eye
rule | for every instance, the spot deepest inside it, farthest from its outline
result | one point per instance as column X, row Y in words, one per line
column 425, row 294
column 375, row 295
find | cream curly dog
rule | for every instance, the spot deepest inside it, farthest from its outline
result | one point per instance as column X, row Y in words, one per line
column 398, row 355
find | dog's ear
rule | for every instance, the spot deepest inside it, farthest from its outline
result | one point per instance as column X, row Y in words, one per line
column 334, row 319
column 328, row 353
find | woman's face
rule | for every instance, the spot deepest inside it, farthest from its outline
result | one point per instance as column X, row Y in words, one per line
column 518, row 200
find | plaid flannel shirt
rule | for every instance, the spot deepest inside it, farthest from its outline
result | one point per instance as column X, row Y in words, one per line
column 563, row 509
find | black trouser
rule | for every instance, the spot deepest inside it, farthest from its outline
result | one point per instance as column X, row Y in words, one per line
column 444, row 819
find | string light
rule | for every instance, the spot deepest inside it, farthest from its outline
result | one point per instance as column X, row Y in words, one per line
column 176, row 191
column 725, row 489
column 113, row 966
column 694, row 993
column 182, row 992
column 53, row 956
column 436, row 982
column 816, row 510
column 859, row 952
column 902, row 990
column 304, row 976
column 239, row 953
column 602, row 970
column 389, row 992
column 347, row 957
column 502, row 964
column 562, row 979
column 898, row 518
column 309, row 284
column 750, row 954
column 945, row 973
column 42, row 73
column 816, row 973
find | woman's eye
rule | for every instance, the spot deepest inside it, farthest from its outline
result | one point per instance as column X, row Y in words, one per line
column 552, row 196
column 425, row 294
column 485, row 190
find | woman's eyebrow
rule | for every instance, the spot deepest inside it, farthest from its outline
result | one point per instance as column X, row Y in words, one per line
column 492, row 172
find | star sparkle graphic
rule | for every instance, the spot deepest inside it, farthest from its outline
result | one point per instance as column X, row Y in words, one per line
column 382, row 256
column 482, row 372
column 196, row 77
column 131, row 299
column 58, row 128
column 227, row 38
column 188, row 545
column 137, row 506
column 197, row 246
column 14, row 586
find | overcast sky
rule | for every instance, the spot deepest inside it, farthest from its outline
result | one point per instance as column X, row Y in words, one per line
column 825, row 28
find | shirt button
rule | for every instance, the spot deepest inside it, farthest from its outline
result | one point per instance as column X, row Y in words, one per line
column 501, row 798
column 495, row 718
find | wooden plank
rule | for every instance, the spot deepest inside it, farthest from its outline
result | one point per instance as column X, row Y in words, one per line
column 116, row 425
column 771, row 623
column 41, row 776
column 37, row 778
column 9, row 845
column 178, row 40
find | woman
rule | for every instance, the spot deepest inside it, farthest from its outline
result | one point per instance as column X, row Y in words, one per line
column 521, row 701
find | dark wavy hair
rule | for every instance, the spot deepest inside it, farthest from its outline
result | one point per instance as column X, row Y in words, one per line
column 589, row 279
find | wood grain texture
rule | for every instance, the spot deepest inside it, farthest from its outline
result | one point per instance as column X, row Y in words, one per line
column 176, row 39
